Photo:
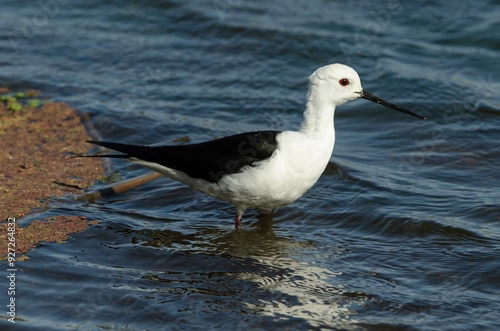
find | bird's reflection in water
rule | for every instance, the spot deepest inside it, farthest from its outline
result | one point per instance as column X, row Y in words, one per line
column 257, row 269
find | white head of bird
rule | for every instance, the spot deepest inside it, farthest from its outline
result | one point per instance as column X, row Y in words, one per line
column 335, row 84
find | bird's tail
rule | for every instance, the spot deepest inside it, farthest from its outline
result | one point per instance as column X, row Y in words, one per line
column 128, row 150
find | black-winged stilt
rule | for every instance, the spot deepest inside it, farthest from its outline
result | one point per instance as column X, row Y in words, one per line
column 264, row 169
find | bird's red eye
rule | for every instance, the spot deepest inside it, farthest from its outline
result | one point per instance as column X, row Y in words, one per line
column 344, row 82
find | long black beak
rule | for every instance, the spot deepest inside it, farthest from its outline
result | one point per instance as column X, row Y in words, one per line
column 374, row 98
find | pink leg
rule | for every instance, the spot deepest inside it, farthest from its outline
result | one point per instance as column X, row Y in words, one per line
column 237, row 222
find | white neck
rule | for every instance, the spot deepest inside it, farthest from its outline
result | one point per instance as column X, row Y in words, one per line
column 318, row 116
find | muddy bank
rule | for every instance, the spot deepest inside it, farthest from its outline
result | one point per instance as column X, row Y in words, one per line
column 37, row 139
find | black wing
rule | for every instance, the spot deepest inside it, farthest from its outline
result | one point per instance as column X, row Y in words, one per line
column 209, row 160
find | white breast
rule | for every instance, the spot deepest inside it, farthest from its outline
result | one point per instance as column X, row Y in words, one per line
column 294, row 167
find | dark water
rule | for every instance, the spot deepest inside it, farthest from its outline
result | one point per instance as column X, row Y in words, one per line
column 401, row 232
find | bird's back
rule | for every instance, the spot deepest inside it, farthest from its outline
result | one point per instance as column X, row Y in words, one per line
column 210, row 160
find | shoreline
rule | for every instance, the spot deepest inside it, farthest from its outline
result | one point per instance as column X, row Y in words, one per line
column 37, row 139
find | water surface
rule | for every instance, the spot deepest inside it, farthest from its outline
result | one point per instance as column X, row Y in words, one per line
column 402, row 230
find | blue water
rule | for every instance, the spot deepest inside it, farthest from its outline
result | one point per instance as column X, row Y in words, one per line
column 401, row 232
